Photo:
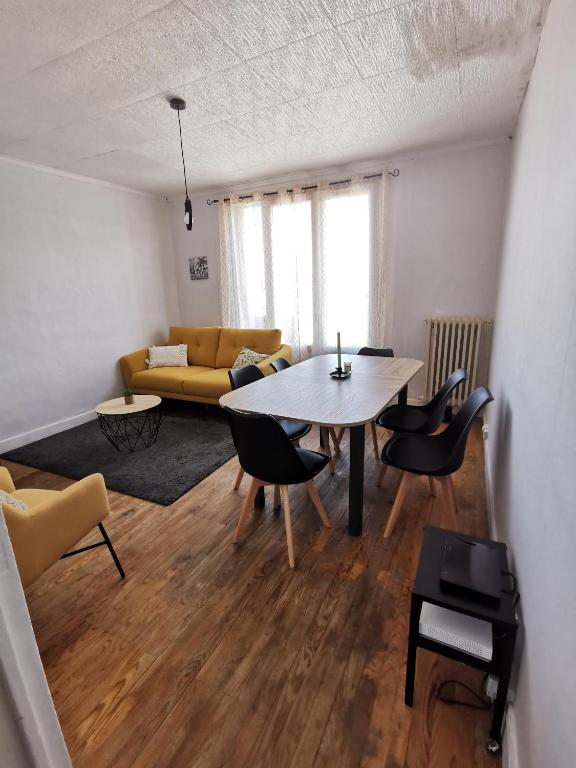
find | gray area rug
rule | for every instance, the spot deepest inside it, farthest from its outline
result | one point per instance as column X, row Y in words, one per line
column 192, row 443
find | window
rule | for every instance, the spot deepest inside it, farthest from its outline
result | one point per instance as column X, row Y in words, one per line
column 306, row 263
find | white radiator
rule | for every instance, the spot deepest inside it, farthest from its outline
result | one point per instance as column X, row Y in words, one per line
column 453, row 342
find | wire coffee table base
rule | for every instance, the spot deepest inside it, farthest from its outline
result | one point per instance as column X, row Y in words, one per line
column 131, row 432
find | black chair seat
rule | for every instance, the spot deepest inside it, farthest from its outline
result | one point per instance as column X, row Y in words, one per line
column 294, row 429
column 313, row 461
column 421, row 419
column 404, row 418
column 267, row 453
column 421, row 455
column 440, row 454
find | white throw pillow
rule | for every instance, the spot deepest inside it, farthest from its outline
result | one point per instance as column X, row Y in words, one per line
column 164, row 357
column 7, row 498
column 248, row 357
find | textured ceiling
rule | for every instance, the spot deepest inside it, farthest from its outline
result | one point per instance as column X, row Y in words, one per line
column 272, row 86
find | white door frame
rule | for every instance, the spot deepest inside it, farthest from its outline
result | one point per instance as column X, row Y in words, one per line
column 22, row 669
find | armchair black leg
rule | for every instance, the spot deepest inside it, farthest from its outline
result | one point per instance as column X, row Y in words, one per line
column 111, row 548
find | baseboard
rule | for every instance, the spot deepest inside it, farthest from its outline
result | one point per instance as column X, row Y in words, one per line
column 510, row 757
column 488, row 481
column 510, row 741
column 17, row 441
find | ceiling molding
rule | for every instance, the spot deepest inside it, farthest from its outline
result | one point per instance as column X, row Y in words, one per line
column 78, row 177
column 333, row 172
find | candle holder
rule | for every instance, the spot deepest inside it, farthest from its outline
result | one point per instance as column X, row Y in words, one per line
column 340, row 373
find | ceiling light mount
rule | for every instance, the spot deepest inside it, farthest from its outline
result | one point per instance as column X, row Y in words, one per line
column 179, row 105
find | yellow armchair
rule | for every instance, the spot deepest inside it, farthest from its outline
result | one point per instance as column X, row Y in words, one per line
column 53, row 522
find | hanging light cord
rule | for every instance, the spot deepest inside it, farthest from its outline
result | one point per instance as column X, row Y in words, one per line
column 182, row 151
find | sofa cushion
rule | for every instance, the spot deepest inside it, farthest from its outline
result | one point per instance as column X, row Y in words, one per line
column 166, row 379
column 13, row 500
column 214, row 383
column 167, row 357
column 265, row 340
column 202, row 343
column 249, row 357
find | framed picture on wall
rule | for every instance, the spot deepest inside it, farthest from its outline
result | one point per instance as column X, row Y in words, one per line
column 198, row 267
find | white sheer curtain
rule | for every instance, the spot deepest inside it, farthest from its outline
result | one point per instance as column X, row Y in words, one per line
column 309, row 262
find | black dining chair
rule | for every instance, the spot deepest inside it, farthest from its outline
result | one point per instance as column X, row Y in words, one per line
column 373, row 352
column 268, row 455
column 295, row 430
column 280, row 364
column 420, row 419
column 435, row 456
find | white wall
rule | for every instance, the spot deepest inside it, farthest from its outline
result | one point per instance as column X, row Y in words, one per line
column 14, row 754
column 447, row 235
column 87, row 275
column 532, row 423
column 447, row 216
column 199, row 299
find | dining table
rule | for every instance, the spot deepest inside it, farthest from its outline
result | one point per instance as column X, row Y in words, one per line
column 306, row 392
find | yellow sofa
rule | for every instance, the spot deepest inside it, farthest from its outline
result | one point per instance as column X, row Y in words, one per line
column 212, row 351
column 53, row 522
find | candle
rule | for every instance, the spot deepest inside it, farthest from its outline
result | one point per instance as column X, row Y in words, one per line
column 339, row 353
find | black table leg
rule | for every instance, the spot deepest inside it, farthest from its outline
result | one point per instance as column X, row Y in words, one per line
column 502, row 696
column 356, row 484
column 260, row 498
column 415, row 608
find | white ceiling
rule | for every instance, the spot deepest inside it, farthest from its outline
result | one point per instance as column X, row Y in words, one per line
column 272, row 86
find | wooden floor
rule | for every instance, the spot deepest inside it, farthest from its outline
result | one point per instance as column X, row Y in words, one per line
column 213, row 655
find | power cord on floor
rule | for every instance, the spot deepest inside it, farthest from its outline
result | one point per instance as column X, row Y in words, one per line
column 514, row 590
column 481, row 701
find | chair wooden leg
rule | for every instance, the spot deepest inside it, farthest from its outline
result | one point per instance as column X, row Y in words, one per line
column 450, row 498
column 239, row 477
column 375, row 440
column 276, row 497
column 296, row 443
column 335, row 440
column 432, row 486
column 398, row 501
column 246, row 509
column 382, row 474
column 288, row 524
column 313, row 493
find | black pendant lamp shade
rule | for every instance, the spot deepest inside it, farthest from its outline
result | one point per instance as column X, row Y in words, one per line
column 179, row 105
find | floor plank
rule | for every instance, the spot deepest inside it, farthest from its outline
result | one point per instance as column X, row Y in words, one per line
column 211, row 654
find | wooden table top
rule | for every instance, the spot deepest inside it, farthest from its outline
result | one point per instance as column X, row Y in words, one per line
column 305, row 392
column 117, row 406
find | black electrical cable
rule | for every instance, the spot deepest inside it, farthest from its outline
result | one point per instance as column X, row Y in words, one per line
column 482, row 702
column 514, row 589
column 182, row 151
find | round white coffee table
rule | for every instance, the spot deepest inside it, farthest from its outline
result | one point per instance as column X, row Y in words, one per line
column 130, row 427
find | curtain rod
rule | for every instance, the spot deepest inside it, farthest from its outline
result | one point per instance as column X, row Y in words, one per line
column 394, row 173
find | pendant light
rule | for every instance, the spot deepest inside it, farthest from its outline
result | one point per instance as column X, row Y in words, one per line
column 179, row 105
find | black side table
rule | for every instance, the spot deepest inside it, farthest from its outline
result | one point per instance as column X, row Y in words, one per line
column 502, row 616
